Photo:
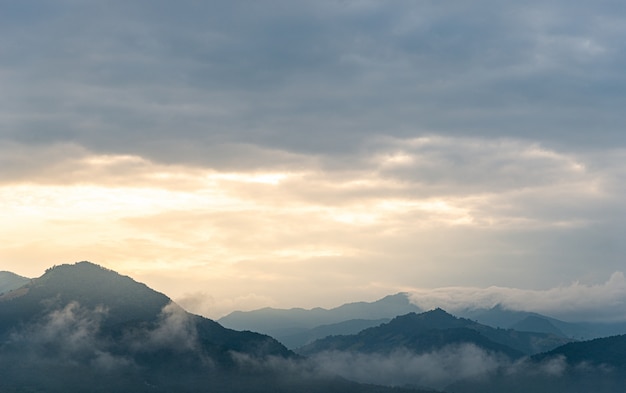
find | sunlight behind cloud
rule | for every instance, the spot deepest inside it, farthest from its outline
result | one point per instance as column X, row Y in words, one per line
column 264, row 178
column 401, row 204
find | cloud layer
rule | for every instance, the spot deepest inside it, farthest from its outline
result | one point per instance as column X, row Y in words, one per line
column 574, row 302
column 260, row 151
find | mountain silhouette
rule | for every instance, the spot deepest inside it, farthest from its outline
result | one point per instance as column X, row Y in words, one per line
column 297, row 326
column 85, row 328
column 434, row 330
column 597, row 365
column 607, row 351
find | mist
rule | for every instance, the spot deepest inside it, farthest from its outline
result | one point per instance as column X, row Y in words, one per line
column 452, row 368
column 574, row 302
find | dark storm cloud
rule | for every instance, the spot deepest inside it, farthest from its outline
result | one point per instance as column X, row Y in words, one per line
column 158, row 78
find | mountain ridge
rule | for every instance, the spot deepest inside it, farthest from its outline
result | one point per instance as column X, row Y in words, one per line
column 433, row 329
column 295, row 324
column 81, row 327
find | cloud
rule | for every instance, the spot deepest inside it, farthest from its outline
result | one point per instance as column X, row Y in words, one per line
column 435, row 140
column 73, row 334
column 68, row 336
column 229, row 74
column 175, row 330
column 432, row 210
column 455, row 365
column 400, row 368
column 203, row 303
column 600, row 302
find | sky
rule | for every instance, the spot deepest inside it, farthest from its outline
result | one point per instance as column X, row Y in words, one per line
column 242, row 154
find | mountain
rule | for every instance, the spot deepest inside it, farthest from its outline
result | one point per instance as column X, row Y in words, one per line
column 434, row 330
column 498, row 316
column 352, row 326
column 287, row 324
column 457, row 355
column 10, row 281
column 534, row 323
column 82, row 327
column 606, row 351
column 597, row 365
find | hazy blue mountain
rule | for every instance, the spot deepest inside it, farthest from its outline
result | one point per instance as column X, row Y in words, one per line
column 307, row 336
column 533, row 323
column 83, row 328
column 282, row 323
column 10, row 281
column 582, row 330
column 434, row 330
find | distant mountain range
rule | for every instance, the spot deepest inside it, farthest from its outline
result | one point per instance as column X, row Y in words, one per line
column 433, row 330
column 84, row 328
column 524, row 320
column 457, row 355
column 296, row 327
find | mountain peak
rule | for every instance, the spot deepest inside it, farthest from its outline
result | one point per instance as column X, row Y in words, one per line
column 400, row 297
column 92, row 286
column 433, row 319
column 84, row 267
column 437, row 311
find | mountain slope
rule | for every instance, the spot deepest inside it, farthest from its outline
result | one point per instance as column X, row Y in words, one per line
column 283, row 324
column 96, row 314
column 597, row 366
column 433, row 330
column 10, row 281
column 534, row 323
column 352, row 326
column 84, row 328
column 504, row 318
column 89, row 285
column 608, row 351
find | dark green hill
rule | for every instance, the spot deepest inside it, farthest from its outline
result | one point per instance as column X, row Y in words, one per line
column 609, row 351
column 433, row 330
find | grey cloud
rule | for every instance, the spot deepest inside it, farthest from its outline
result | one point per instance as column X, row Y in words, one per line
column 312, row 77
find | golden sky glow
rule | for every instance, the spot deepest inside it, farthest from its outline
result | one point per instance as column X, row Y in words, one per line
column 254, row 235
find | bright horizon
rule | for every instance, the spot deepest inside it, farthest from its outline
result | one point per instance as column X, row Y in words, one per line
column 238, row 156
